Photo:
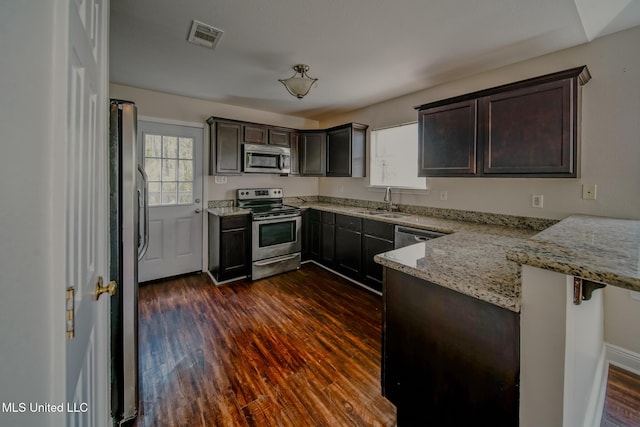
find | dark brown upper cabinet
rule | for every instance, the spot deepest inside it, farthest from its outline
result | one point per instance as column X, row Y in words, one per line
column 226, row 147
column 279, row 137
column 523, row 129
column 530, row 131
column 338, row 151
column 447, row 136
column 254, row 134
column 312, row 153
column 294, row 145
column 346, row 147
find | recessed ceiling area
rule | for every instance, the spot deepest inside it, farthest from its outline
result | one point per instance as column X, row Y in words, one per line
column 362, row 51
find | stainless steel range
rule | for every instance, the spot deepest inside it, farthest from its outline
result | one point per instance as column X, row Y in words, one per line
column 276, row 236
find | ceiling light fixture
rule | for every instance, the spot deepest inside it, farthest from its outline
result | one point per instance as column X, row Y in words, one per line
column 300, row 83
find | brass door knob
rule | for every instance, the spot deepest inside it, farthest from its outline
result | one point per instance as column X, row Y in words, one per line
column 111, row 288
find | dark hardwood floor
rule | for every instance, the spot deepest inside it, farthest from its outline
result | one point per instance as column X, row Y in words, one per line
column 622, row 400
column 298, row 349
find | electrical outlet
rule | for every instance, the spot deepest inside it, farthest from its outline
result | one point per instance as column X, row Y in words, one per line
column 444, row 195
column 221, row 179
column 589, row 191
column 537, row 201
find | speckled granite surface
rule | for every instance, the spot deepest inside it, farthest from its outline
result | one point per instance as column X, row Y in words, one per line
column 449, row 214
column 228, row 211
column 454, row 214
column 605, row 250
column 482, row 259
column 221, row 203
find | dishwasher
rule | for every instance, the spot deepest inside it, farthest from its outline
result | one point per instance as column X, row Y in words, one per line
column 405, row 236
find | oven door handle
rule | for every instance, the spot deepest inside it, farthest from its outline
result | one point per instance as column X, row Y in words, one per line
column 275, row 260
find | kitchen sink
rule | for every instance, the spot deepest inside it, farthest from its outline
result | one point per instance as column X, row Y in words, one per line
column 393, row 215
column 384, row 214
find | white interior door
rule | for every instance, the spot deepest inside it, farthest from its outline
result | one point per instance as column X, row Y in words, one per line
column 172, row 158
column 87, row 229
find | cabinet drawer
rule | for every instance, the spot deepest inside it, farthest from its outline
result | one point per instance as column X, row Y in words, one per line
column 328, row 218
column 314, row 215
column 255, row 134
column 279, row 137
column 349, row 222
column 234, row 221
column 384, row 230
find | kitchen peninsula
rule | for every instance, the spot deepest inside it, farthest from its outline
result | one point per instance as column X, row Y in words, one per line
column 540, row 361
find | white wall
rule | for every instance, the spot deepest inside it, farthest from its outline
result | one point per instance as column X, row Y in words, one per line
column 542, row 347
column 191, row 110
column 28, row 328
column 610, row 138
column 562, row 352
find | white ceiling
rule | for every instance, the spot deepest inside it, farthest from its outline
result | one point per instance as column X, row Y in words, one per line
column 362, row 51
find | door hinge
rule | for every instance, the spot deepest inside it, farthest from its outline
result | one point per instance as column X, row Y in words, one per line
column 70, row 313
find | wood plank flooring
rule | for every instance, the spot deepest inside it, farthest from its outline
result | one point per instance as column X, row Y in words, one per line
column 622, row 400
column 298, row 349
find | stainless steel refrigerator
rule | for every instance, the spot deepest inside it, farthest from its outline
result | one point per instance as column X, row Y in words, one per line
column 129, row 240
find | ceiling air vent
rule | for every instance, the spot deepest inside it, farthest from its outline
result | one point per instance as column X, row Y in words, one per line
column 204, row 35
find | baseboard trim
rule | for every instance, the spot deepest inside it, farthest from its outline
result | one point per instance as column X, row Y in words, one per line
column 224, row 282
column 362, row 285
column 623, row 358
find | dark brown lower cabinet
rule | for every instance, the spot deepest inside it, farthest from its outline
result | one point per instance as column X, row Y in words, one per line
column 328, row 239
column 229, row 246
column 448, row 359
column 349, row 245
column 314, row 234
column 377, row 238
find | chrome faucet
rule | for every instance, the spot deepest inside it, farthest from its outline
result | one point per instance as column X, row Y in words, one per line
column 387, row 198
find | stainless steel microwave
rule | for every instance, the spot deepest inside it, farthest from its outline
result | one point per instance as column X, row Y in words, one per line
column 264, row 158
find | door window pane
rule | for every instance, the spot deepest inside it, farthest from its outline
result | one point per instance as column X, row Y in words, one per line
column 169, row 147
column 153, row 146
column 168, row 162
column 186, row 148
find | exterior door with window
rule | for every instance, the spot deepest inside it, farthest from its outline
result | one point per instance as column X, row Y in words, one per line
column 173, row 162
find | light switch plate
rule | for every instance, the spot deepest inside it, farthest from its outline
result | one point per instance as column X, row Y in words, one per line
column 221, row 179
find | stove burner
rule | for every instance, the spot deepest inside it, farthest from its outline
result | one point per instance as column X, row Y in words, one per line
column 265, row 203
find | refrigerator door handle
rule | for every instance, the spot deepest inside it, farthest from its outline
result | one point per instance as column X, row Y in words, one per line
column 142, row 250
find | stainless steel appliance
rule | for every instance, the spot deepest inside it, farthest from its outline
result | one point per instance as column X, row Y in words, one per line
column 276, row 236
column 129, row 240
column 405, row 236
column 264, row 158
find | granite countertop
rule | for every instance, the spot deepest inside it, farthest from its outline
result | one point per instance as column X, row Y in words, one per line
column 605, row 250
column 471, row 259
column 483, row 261
column 228, row 211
